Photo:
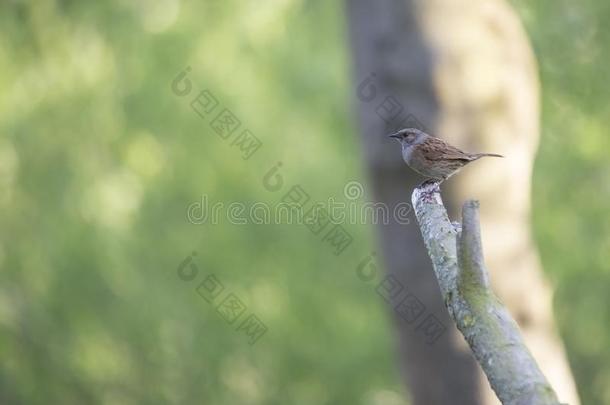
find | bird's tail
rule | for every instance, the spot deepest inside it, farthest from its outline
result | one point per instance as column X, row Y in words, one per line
column 476, row 156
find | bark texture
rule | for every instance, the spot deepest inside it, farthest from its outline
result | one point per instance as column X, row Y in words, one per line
column 492, row 334
column 463, row 71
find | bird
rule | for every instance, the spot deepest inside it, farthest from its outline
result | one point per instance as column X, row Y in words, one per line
column 432, row 157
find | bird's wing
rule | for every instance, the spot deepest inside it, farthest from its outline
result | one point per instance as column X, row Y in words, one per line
column 437, row 149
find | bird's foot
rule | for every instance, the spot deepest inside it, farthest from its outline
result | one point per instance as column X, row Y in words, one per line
column 430, row 190
column 430, row 185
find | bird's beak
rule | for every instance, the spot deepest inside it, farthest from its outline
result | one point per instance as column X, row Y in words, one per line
column 395, row 135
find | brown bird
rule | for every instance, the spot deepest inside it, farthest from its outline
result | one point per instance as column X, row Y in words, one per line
column 432, row 157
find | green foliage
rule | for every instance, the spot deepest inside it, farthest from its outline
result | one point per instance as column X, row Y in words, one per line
column 99, row 161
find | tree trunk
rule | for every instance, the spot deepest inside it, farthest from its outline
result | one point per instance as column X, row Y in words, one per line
column 463, row 71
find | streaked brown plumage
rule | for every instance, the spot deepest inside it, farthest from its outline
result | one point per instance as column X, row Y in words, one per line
column 432, row 157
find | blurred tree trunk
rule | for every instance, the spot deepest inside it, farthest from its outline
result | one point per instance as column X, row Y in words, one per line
column 463, row 71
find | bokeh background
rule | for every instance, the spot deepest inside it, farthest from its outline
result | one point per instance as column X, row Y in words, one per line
column 100, row 159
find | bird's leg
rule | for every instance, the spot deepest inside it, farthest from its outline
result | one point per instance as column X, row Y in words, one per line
column 429, row 183
column 430, row 189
